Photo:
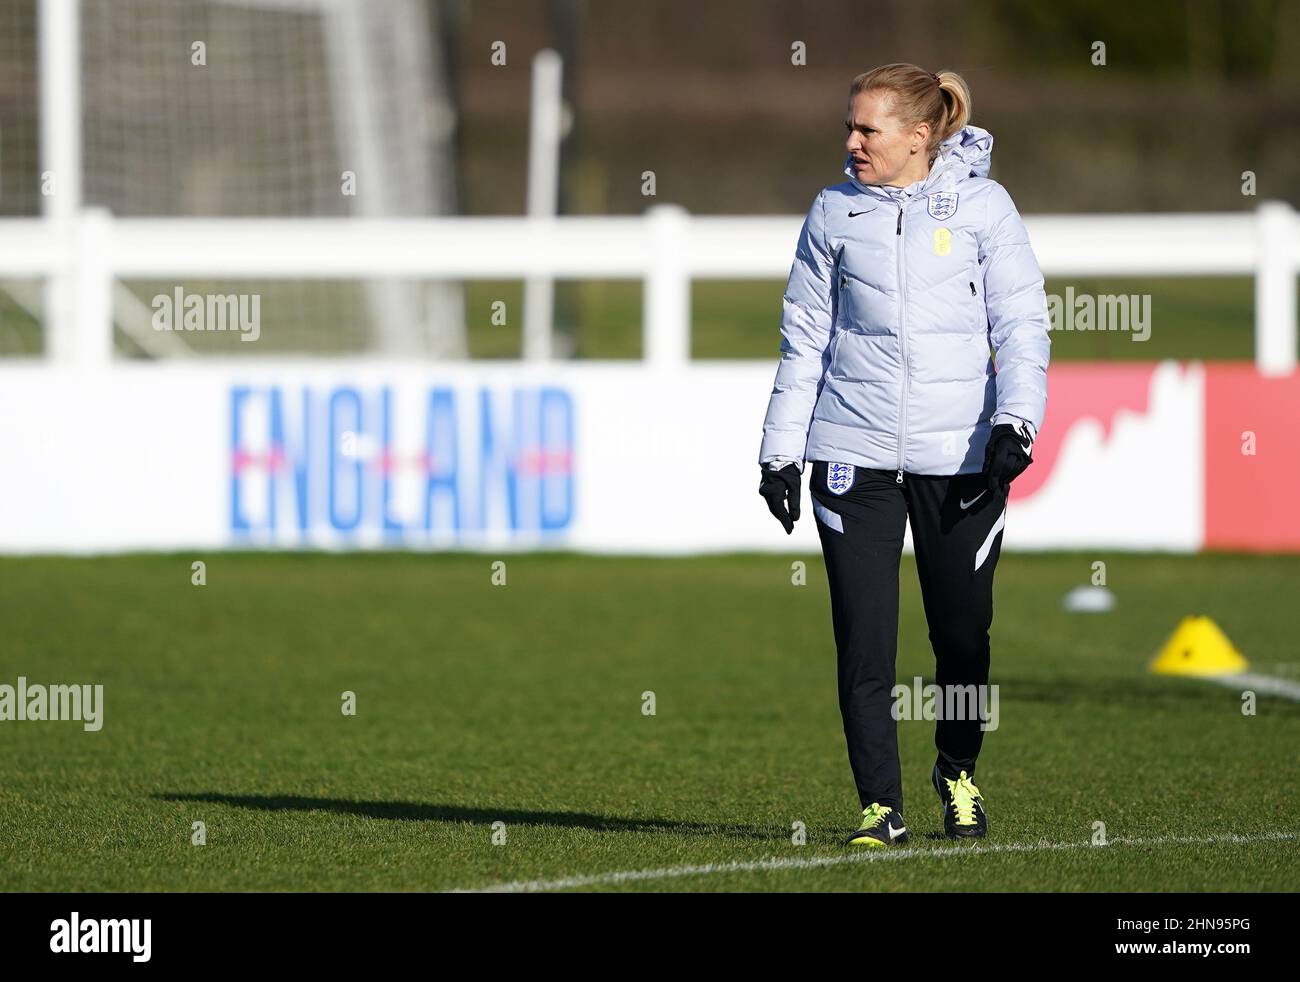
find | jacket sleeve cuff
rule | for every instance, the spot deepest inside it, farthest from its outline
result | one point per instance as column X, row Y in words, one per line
column 1023, row 427
column 776, row 463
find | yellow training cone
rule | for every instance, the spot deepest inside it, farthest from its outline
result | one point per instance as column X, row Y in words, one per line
column 1198, row 647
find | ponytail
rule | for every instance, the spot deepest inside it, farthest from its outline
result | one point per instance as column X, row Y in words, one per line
column 956, row 100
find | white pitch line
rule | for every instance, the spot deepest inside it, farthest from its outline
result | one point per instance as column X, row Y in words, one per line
column 761, row 865
column 1270, row 685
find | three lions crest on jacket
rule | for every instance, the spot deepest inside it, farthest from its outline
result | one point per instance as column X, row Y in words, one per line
column 943, row 205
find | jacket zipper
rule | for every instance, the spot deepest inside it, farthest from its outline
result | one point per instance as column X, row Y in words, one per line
column 902, row 340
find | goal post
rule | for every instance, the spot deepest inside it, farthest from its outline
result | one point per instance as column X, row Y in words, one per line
column 257, row 109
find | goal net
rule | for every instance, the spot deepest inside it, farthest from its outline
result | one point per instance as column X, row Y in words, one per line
column 271, row 108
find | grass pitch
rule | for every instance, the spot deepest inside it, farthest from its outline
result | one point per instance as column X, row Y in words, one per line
column 522, row 704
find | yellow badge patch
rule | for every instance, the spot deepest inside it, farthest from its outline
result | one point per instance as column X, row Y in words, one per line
column 942, row 242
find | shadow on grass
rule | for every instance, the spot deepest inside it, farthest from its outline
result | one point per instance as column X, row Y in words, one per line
column 412, row 811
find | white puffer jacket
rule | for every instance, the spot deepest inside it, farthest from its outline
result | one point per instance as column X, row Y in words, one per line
column 900, row 303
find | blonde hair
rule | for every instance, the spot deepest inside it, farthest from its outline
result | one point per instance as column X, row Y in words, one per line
column 942, row 100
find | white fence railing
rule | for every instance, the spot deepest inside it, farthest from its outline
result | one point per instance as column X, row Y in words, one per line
column 666, row 248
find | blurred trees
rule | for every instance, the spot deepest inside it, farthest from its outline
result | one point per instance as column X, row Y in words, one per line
column 1192, row 93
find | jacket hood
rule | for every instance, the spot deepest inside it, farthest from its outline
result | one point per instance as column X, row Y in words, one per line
column 964, row 154
column 967, row 152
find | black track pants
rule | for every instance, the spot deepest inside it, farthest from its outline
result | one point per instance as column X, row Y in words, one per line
column 957, row 535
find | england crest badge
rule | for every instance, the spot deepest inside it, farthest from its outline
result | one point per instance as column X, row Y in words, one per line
column 942, row 205
column 839, row 478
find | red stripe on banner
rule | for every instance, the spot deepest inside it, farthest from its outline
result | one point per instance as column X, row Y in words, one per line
column 1252, row 500
column 1077, row 391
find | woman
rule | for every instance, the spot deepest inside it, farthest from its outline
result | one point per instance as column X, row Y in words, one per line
column 911, row 282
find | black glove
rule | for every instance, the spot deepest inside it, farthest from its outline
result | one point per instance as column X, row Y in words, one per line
column 778, row 487
column 1006, row 456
